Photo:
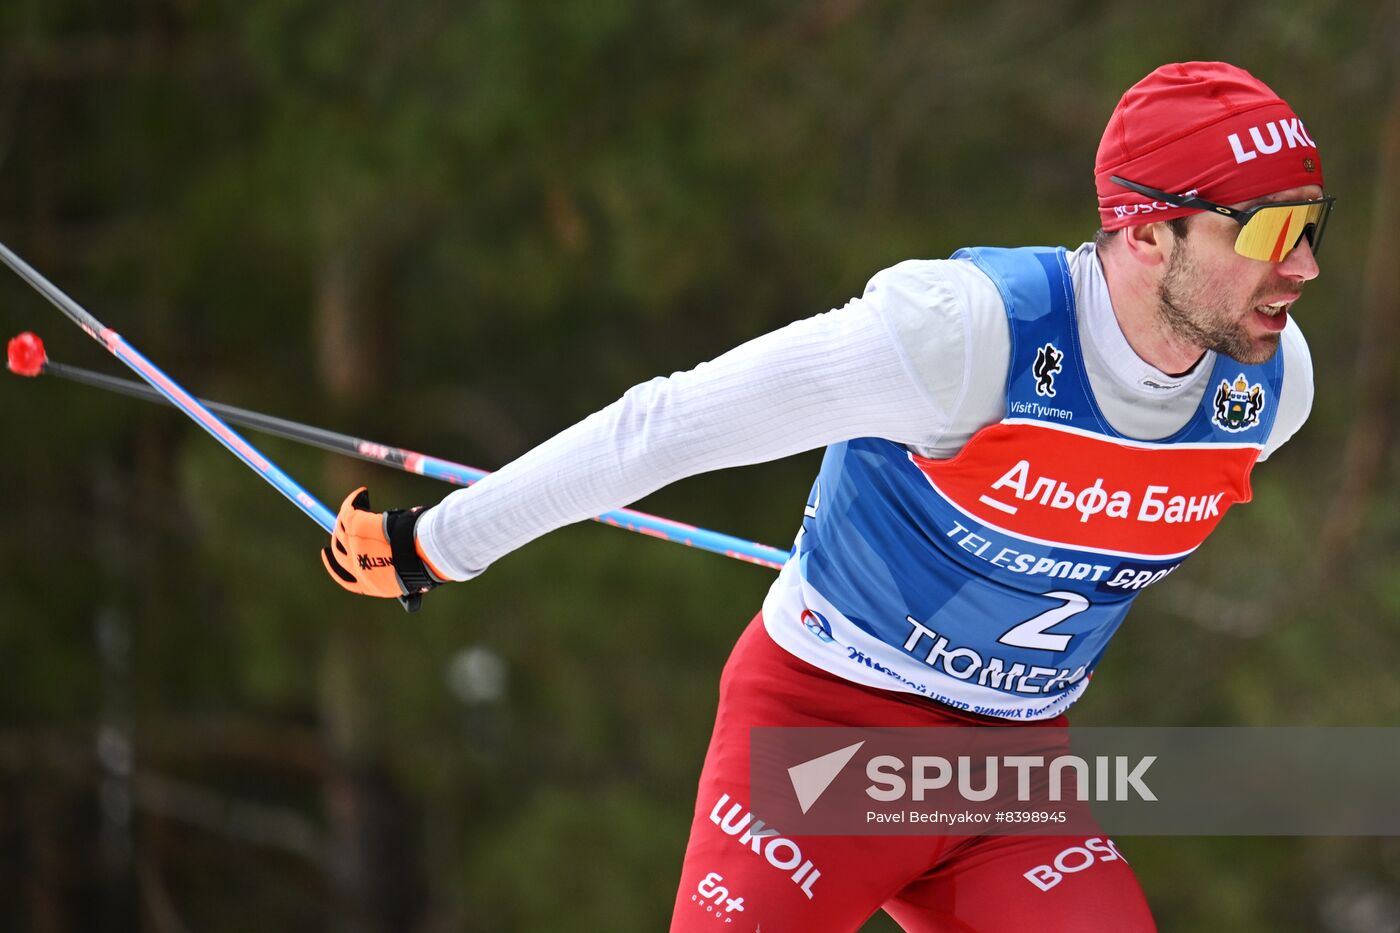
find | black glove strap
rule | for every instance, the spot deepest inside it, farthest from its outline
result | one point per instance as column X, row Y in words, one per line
column 413, row 574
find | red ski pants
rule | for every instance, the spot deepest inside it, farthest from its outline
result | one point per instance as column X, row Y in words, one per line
column 948, row 884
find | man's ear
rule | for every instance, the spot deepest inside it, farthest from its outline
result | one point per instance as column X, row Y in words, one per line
column 1149, row 244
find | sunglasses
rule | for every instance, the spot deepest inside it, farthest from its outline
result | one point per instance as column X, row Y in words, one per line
column 1268, row 232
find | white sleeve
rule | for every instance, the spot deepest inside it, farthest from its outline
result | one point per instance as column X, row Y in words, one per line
column 821, row 380
column 1296, row 398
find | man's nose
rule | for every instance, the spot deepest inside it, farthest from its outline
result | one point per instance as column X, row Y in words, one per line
column 1300, row 264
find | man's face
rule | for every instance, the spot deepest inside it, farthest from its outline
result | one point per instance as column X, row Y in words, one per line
column 1213, row 298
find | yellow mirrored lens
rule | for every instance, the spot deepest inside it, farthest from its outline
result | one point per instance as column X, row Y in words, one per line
column 1272, row 232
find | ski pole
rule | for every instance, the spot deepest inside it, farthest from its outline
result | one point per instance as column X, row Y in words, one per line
column 172, row 392
column 28, row 358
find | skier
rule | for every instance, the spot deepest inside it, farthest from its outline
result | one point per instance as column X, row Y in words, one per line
column 1018, row 442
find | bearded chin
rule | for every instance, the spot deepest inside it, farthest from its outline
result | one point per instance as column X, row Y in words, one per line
column 1191, row 319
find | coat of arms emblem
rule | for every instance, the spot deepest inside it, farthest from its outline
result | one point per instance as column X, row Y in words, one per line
column 1237, row 406
column 1047, row 364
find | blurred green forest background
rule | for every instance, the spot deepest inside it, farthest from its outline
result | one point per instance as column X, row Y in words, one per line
column 460, row 227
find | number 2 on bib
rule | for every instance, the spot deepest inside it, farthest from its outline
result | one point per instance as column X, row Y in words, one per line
column 1034, row 633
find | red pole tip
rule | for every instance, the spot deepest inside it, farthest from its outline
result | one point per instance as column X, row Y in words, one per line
column 25, row 354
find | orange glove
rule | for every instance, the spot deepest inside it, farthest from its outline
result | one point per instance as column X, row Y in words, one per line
column 377, row 554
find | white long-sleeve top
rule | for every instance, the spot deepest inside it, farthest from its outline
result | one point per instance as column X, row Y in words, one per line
column 920, row 359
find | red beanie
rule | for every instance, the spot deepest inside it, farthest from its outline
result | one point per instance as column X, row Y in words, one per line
column 1206, row 127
